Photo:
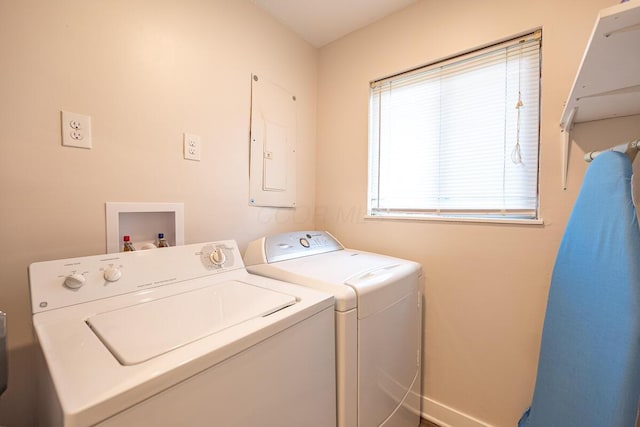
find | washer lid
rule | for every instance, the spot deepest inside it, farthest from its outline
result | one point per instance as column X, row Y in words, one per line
column 140, row 332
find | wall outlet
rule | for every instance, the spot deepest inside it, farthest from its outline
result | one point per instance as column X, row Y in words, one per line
column 76, row 130
column 192, row 147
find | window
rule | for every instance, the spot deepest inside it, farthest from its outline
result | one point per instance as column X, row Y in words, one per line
column 458, row 138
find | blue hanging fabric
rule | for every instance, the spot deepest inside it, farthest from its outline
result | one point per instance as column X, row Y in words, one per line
column 589, row 366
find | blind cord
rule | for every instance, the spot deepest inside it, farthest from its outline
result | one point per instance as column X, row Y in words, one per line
column 516, row 155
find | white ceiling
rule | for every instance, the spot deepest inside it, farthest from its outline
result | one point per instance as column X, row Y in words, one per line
column 322, row 21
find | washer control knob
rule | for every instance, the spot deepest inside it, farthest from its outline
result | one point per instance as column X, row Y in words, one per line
column 304, row 242
column 217, row 256
column 74, row 281
column 112, row 274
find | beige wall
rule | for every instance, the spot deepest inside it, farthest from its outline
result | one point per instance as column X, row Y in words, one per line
column 148, row 71
column 145, row 71
column 486, row 284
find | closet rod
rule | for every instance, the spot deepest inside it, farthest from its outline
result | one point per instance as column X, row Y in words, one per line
column 629, row 148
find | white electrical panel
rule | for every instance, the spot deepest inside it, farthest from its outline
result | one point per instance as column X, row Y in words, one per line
column 272, row 171
column 275, row 158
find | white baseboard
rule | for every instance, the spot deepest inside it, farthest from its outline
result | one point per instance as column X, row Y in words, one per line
column 445, row 416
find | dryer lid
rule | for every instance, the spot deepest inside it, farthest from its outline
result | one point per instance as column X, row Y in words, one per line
column 140, row 332
column 353, row 277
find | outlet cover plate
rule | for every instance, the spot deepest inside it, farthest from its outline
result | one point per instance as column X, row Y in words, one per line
column 192, row 147
column 76, row 130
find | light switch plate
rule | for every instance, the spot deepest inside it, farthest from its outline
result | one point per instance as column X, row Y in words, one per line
column 192, row 147
column 76, row 130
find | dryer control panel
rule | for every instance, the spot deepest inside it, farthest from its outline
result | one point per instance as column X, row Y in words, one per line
column 60, row 283
column 292, row 245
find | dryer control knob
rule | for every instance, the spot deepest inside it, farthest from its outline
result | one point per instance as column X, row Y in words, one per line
column 217, row 256
column 74, row 281
column 112, row 274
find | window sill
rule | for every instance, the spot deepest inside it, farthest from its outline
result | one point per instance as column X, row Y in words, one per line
column 514, row 221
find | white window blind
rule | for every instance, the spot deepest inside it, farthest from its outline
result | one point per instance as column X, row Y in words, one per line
column 460, row 137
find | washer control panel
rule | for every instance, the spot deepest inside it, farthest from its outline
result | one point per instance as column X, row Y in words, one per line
column 60, row 283
column 285, row 246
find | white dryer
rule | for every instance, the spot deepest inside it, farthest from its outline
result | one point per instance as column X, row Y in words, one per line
column 180, row 336
column 378, row 321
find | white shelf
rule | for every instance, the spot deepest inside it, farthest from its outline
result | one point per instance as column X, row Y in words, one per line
column 608, row 81
column 607, row 84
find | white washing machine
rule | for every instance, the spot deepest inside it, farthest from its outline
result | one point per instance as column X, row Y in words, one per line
column 180, row 336
column 378, row 321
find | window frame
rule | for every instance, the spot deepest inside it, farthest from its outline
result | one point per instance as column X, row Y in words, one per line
column 512, row 216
